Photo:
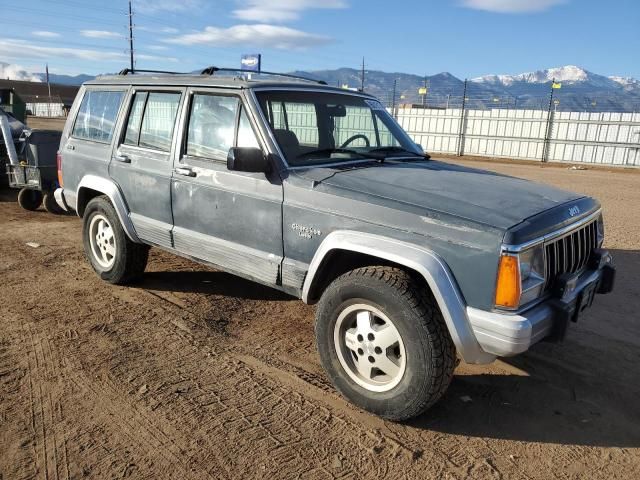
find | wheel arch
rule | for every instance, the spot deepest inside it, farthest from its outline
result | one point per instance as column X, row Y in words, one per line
column 92, row 186
column 422, row 261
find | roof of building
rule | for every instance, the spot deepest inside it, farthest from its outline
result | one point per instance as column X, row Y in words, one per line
column 37, row 92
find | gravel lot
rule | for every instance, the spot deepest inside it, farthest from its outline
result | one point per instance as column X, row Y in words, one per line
column 194, row 373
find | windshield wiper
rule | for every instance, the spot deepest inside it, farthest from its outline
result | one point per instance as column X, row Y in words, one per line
column 329, row 151
column 395, row 149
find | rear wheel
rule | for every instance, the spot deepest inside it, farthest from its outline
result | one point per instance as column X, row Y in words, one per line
column 29, row 199
column 383, row 342
column 50, row 204
column 111, row 253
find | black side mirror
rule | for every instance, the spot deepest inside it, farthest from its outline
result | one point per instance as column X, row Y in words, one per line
column 247, row 159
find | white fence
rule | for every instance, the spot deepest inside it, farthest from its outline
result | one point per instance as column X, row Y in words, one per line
column 45, row 109
column 599, row 138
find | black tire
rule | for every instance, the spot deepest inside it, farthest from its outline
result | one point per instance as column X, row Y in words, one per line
column 430, row 354
column 130, row 258
column 50, row 205
column 29, row 199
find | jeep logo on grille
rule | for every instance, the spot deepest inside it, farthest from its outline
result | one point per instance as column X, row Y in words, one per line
column 573, row 211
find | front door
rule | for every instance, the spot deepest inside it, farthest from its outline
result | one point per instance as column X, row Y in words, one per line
column 231, row 219
column 141, row 165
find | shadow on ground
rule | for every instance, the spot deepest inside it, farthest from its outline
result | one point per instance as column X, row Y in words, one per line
column 209, row 283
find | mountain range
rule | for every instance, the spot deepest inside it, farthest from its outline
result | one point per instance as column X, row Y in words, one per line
column 581, row 90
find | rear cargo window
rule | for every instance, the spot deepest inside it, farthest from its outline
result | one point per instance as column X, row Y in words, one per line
column 97, row 115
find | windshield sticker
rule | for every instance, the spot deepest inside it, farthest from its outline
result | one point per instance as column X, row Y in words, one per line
column 374, row 104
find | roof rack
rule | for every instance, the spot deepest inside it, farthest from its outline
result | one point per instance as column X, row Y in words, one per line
column 212, row 70
column 127, row 71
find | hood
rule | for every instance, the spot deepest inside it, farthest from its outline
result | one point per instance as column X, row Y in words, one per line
column 442, row 188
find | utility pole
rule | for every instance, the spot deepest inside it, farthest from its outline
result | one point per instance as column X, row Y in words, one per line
column 48, row 88
column 131, row 36
column 547, row 135
column 393, row 101
column 362, row 77
column 424, row 97
column 462, row 118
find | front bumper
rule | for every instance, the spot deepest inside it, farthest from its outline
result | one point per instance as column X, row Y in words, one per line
column 504, row 334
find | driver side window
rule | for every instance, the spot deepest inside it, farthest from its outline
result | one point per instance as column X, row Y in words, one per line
column 211, row 127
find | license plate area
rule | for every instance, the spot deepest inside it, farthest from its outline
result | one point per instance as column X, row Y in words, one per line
column 585, row 300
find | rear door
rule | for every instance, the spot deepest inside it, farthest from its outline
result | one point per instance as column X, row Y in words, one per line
column 230, row 219
column 141, row 164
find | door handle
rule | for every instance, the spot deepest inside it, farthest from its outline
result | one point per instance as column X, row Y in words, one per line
column 122, row 158
column 71, row 147
column 185, row 171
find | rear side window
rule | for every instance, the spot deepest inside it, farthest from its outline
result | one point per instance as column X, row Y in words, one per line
column 97, row 115
column 151, row 120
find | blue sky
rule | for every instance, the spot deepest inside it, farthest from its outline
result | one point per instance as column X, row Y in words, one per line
column 465, row 37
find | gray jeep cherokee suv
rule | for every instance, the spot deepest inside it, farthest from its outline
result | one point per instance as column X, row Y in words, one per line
column 318, row 192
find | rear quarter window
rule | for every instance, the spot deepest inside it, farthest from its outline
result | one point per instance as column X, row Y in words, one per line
column 97, row 115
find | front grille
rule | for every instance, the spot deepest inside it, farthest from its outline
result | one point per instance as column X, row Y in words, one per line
column 570, row 253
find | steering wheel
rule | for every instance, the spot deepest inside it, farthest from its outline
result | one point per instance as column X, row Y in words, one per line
column 356, row 137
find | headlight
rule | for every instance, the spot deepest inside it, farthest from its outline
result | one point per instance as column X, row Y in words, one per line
column 531, row 273
column 520, row 278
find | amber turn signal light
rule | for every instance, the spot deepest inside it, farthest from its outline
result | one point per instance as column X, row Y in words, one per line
column 508, row 285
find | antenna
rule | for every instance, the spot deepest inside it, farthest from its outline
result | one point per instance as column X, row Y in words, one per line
column 131, row 36
column 362, row 77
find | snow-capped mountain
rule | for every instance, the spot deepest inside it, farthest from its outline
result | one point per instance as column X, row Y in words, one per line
column 580, row 88
column 570, row 75
column 628, row 83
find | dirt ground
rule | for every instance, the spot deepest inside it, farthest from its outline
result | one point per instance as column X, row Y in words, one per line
column 54, row 123
column 193, row 373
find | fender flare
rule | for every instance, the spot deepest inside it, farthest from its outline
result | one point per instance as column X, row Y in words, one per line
column 111, row 190
column 422, row 260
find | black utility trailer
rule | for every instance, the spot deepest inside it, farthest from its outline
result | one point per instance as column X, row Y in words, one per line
column 36, row 173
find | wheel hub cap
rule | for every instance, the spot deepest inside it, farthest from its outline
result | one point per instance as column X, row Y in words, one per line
column 370, row 348
column 103, row 241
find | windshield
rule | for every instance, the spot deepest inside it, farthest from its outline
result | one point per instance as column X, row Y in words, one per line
column 313, row 128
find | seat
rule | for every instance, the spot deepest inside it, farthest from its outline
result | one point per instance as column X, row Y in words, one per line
column 288, row 142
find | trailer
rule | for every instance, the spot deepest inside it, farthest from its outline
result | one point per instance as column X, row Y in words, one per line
column 32, row 165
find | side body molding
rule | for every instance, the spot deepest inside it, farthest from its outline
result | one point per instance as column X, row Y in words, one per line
column 428, row 264
column 110, row 189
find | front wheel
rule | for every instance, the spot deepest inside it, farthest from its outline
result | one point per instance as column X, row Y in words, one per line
column 111, row 253
column 384, row 343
